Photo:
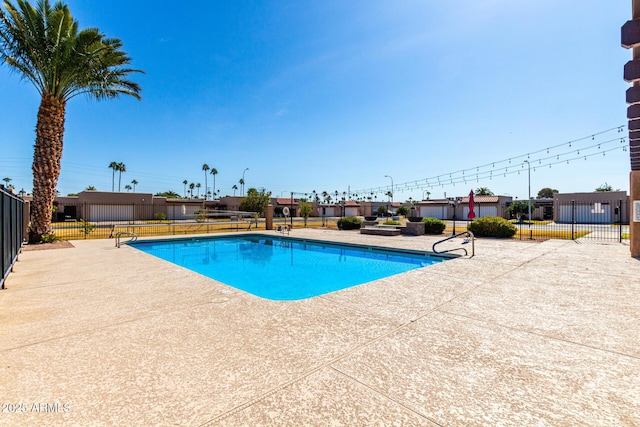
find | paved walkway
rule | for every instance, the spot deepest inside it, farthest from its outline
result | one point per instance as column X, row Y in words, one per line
column 522, row 334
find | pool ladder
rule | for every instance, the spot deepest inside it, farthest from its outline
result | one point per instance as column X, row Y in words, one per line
column 470, row 238
column 133, row 236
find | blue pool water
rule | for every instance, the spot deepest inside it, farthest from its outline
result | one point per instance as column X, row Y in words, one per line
column 280, row 268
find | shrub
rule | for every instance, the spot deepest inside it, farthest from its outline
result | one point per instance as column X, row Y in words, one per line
column 49, row 238
column 402, row 210
column 433, row 225
column 86, row 227
column 391, row 222
column 201, row 215
column 160, row 216
column 349, row 223
column 492, row 226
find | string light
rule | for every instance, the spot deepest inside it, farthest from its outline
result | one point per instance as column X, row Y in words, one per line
column 486, row 170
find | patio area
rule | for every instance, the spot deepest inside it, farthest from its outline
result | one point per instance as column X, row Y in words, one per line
column 524, row 333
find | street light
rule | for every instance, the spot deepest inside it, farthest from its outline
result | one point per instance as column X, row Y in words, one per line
column 529, row 197
column 389, row 176
column 243, row 180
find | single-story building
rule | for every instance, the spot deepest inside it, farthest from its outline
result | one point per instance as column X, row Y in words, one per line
column 459, row 206
column 600, row 207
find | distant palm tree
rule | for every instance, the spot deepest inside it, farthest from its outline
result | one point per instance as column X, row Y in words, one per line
column 185, row 182
column 121, row 168
column 235, row 187
column 191, row 187
column 134, row 182
column 483, row 191
column 45, row 46
column 205, row 168
column 214, row 172
column 198, row 185
column 7, row 181
column 241, row 182
column 114, row 168
column 91, row 188
column 127, row 187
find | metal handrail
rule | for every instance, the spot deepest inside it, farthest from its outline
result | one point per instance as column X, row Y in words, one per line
column 133, row 235
column 468, row 233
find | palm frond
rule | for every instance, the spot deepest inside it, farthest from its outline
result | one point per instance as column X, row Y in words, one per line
column 43, row 44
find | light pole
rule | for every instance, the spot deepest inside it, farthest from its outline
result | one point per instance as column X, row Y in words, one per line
column 243, row 180
column 529, row 196
column 391, row 192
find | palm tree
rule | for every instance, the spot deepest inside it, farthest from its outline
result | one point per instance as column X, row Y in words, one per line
column 91, row 188
column 235, row 187
column 214, row 172
column 185, row 182
column 198, row 185
column 127, row 187
column 44, row 45
column 241, row 182
column 483, row 191
column 191, row 187
column 205, row 168
column 7, row 181
column 114, row 168
column 121, row 168
column 134, row 182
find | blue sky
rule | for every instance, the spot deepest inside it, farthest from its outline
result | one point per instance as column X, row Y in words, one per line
column 334, row 95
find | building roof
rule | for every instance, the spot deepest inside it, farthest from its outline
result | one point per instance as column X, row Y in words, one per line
column 286, row 201
column 481, row 199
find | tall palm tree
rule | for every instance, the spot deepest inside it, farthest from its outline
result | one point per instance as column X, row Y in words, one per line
column 198, row 185
column 205, row 168
column 234, row 188
column 191, row 187
column 241, row 182
column 45, row 46
column 121, row 168
column 185, row 182
column 127, row 187
column 114, row 168
column 214, row 172
column 134, row 182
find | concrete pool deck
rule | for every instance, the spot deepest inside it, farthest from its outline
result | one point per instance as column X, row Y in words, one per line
column 524, row 333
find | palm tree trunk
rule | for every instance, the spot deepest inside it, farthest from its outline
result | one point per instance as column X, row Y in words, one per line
column 46, row 165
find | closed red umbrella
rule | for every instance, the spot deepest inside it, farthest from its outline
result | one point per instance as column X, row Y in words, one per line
column 471, row 213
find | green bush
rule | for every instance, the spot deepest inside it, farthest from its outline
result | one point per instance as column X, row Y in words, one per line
column 433, row 225
column 160, row 216
column 349, row 223
column 391, row 222
column 402, row 210
column 85, row 226
column 492, row 226
column 49, row 238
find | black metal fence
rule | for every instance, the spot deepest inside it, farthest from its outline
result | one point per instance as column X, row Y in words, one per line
column 12, row 229
column 580, row 221
column 75, row 221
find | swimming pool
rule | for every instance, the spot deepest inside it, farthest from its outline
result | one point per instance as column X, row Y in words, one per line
column 282, row 268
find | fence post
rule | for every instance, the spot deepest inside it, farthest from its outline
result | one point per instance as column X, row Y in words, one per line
column 573, row 219
column 620, row 221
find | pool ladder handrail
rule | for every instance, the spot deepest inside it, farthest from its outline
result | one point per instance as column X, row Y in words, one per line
column 133, row 236
column 469, row 234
